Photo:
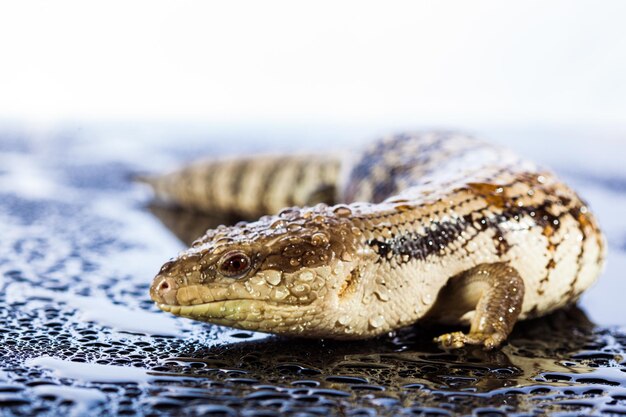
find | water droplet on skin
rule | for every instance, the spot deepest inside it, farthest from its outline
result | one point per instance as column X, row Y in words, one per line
column 293, row 227
column 319, row 239
column 427, row 298
column 306, row 276
column 273, row 277
column 292, row 250
column 382, row 295
column 316, row 285
column 278, row 224
column 298, row 328
column 279, row 294
column 377, row 321
column 342, row 211
column 286, row 212
column 258, row 280
column 300, row 290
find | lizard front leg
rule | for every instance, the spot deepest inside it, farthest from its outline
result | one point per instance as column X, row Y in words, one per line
column 496, row 292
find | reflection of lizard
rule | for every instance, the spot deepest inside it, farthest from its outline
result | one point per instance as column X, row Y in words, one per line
column 536, row 347
column 452, row 229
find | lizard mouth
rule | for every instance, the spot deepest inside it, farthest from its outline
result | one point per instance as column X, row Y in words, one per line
column 234, row 310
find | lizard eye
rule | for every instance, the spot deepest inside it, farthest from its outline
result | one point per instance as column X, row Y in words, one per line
column 234, row 264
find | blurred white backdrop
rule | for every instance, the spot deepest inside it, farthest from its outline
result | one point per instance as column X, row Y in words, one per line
column 433, row 62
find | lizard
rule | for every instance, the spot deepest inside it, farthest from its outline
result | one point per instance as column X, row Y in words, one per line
column 417, row 227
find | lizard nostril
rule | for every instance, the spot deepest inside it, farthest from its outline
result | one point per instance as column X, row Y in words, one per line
column 164, row 290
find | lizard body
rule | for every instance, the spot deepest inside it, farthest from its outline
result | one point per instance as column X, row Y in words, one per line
column 436, row 226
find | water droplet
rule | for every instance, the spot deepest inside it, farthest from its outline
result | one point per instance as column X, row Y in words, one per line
column 319, row 219
column 382, row 294
column 293, row 227
column 279, row 294
column 273, row 277
column 306, row 276
column 300, row 290
column 319, row 239
column 344, row 320
column 342, row 211
column 286, row 212
column 377, row 321
column 427, row 298
column 292, row 251
column 278, row 224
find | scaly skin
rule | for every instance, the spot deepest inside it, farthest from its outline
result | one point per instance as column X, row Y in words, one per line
column 451, row 230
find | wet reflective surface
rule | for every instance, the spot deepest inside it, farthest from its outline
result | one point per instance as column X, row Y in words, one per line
column 79, row 336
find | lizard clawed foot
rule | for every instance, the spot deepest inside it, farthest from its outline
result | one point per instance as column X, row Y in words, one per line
column 457, row 340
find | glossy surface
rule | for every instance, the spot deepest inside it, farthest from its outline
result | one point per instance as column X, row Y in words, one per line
column 78, row 251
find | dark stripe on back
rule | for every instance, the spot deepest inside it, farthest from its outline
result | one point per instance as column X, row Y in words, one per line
column 268, row 182
column 241, row 172
column 436, row 236
column 209, row 181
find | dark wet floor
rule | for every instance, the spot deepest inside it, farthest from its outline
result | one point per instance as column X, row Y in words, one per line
column 79, row 336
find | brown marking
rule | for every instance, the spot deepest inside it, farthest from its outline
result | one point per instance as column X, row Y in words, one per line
column 551, row 248
column 502, row 244
column 584, row 224
column 349, row 285
column 494, row 194
column 404, row 207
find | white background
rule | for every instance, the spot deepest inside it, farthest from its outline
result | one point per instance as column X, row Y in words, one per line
column 434, row 62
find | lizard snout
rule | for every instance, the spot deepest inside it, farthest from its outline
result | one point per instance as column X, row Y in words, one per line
column 164, row 290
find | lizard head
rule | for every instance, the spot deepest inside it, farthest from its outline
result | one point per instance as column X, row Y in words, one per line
column 293, row 273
